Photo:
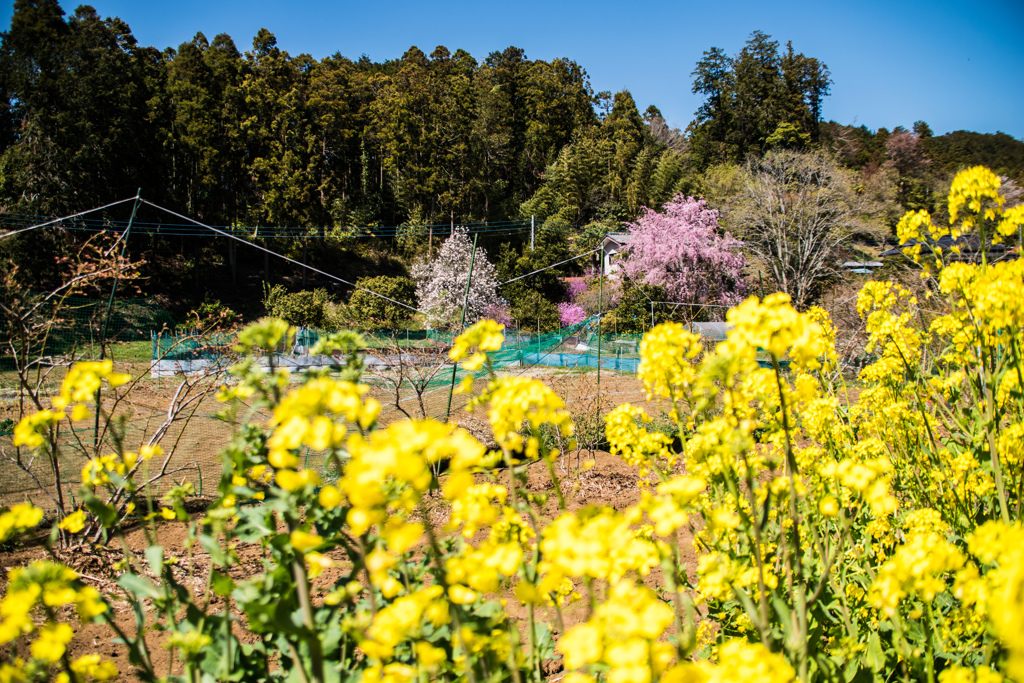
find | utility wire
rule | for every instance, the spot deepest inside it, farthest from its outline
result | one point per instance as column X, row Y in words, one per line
column 290, row 260
column 177, row 229
column 74, row 215
column 553, row 265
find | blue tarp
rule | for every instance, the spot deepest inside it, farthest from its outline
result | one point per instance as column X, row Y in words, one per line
column 576, row 360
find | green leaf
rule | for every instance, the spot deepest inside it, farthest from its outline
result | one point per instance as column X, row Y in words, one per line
column 107, row 514
column 155, row 558
column 212, row 546
column 139, row 587
column 874, row 655
column 223, row 585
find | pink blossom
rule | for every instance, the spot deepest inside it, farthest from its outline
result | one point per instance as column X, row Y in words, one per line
column 682, row 249
column 571, row 313
column 574, row 287
column 498, row 314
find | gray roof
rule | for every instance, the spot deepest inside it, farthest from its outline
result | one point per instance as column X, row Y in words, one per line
column 619, row 237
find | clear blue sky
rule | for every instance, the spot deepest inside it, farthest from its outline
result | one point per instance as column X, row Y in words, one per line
column 956, row 65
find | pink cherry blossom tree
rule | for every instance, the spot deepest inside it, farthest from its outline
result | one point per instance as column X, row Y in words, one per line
column 682, row 249
column 571, row 313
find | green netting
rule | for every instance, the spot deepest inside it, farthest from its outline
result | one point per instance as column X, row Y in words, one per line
column 420, row 357
column 79, row 327
column 573, row 346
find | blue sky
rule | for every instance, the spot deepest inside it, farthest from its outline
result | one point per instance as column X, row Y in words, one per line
column 956, row 65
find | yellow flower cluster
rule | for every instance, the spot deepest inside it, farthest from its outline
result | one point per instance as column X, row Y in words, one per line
column 667, row 358
column 999, row 591
column 673, row 500
column 719, row 575
column 21, row 517
column 403, row 619
column 989, row 305
column 866, row 474
column 515, row 401
column 49, row 586
column 480, row 569
column 775, row 326
column 976, row 189
column 633, row 443
column 307, row 416
column 974, row 202
column 482, row 337
column 623, row 634
column 917, row 570
column 596, row 543
column 99, row 471
column 742, row 661
column 389, row 470
column 78, row 389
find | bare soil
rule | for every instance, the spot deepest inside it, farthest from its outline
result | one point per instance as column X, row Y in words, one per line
column 610, row 482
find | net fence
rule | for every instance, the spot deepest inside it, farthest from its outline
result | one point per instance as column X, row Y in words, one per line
column 407, row 371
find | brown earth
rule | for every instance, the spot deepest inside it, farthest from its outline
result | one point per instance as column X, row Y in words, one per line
column 610, row 482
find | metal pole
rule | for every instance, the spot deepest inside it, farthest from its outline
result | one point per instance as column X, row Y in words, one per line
column 531, row 233
column 652, row 315
column 600, row 312
column 465, row 304
column 106, row 317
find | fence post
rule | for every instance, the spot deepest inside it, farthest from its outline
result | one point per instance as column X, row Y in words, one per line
column 465, row 304
column 106, row 317
column 600, row 312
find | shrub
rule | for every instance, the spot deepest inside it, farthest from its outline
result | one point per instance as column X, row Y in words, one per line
column 632, row 314
column 308, row 308
column 373, row 311
column 531, row 311
column 571, row 313
column 210, row 315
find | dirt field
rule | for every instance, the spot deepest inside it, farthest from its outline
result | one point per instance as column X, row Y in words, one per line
column 610, row 482
column 194, row 444
column 193, row 441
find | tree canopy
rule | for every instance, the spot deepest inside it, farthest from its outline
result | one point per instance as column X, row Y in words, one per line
column 682, row 250
column 250, row 135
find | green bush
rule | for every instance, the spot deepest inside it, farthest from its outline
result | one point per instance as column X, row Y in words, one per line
column 306, row 308
column 632, row 315
column 210, row 315
column 531, row 311
column 368, row 310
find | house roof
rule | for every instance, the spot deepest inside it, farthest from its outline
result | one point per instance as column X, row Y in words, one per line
column 617, row 237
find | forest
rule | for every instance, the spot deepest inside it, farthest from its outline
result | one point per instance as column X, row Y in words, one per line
column 372, row 158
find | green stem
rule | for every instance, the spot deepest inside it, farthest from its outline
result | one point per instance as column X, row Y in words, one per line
column 929, row 641
column 800, row 611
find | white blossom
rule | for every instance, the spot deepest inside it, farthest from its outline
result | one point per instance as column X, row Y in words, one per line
column 441, row 283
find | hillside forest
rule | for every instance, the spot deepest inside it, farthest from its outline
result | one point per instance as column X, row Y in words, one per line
column 364, row 168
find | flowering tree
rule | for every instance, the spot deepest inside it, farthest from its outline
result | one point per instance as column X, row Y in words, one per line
column 682, row 249
column 571, row 313
column 441, row 283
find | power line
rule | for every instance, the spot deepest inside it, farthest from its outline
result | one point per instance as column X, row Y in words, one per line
column 179, row 229
column 65, row 218
column 553, row 265
column 290, row 260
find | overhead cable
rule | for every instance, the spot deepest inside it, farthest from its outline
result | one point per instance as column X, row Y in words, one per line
column 553, row 265
column 65, row 218
column 286, row 258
